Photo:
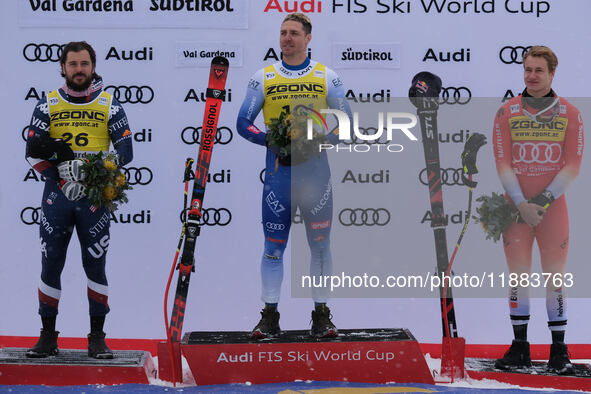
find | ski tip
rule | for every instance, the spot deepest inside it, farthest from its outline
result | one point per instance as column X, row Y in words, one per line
column 220, row 61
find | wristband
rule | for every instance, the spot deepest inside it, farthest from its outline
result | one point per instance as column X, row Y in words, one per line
column 543, row 199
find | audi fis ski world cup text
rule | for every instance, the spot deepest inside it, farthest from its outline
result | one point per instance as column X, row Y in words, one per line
column 300, row 356
column 398, row 7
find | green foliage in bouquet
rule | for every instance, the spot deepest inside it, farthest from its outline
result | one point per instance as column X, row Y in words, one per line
column 495, row 214
column 105, row 182
column 280, row 130
column 288, row 133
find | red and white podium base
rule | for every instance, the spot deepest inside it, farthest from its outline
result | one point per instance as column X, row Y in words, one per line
column 370, row 355
column 535, row 376
column 74, row 367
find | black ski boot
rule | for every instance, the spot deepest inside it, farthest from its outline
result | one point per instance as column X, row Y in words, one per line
column 268, row 326
column 322, row 327
column 559, row 362
column 518, row 356
column 97, row 348
column 46, row 345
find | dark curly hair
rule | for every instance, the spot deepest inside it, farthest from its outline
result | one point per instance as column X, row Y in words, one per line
column 77, row 46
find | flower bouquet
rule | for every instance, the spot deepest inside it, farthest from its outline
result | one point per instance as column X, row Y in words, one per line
column 105, row 183
column 288, row 136
column 495, row 214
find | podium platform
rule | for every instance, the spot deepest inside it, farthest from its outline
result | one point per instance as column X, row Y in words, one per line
column 362, row 355
column 536, row 376
column 74, row 367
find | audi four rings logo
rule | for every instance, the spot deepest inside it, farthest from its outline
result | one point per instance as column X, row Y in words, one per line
column 30, row 215
column 131, row 94
column 138, row 175
column 191, row 135
column 540, row 152
column 262, row 175
column 453, row 95
column 366, row 131
column 513, row 55
column 42, row 52
column 364, row 217
column 449, row 176
column 275, row 226
column 212, row 216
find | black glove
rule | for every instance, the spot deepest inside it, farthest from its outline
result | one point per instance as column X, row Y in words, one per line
column 473, row 143
column 543, row 199
column 424, row 90
column 47, row 148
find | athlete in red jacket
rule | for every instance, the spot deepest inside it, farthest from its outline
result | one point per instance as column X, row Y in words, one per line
column 538, row 146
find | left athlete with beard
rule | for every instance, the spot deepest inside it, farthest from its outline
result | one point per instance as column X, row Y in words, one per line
column 78, row 118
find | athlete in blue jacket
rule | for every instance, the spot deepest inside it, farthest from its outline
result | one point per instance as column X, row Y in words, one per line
column 274, row 89
column 78, row 118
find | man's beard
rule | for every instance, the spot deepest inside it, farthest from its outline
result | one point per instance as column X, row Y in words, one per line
column 78, row 87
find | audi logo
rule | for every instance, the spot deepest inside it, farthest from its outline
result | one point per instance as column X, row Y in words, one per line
column 42, row 52
column 539, row 152
column 275, row 226
column 364, row 217
column 262, row 175
column 131, row 94
column 366, row 131
column 191, row 135
column 453, row 95
column 513, row 55
column 212, row 216
column 449, row 176
column 30, row 215
column 25, row 133
column 138, row 175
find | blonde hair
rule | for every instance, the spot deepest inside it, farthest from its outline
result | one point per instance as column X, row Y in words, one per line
column 303, row 19
column 546, row 53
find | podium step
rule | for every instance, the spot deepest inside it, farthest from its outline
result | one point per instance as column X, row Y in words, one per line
column 74, row 367
column 535, row 376
column 361, row 355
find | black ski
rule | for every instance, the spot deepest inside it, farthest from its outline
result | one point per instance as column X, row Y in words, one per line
column 214, row 96
column 424, row 94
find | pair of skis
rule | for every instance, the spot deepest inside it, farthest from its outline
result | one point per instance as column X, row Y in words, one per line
column 424, row 94
column 191, row 227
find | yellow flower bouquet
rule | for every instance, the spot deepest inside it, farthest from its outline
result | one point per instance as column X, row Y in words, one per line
column 105, row 183
column 288, row 136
